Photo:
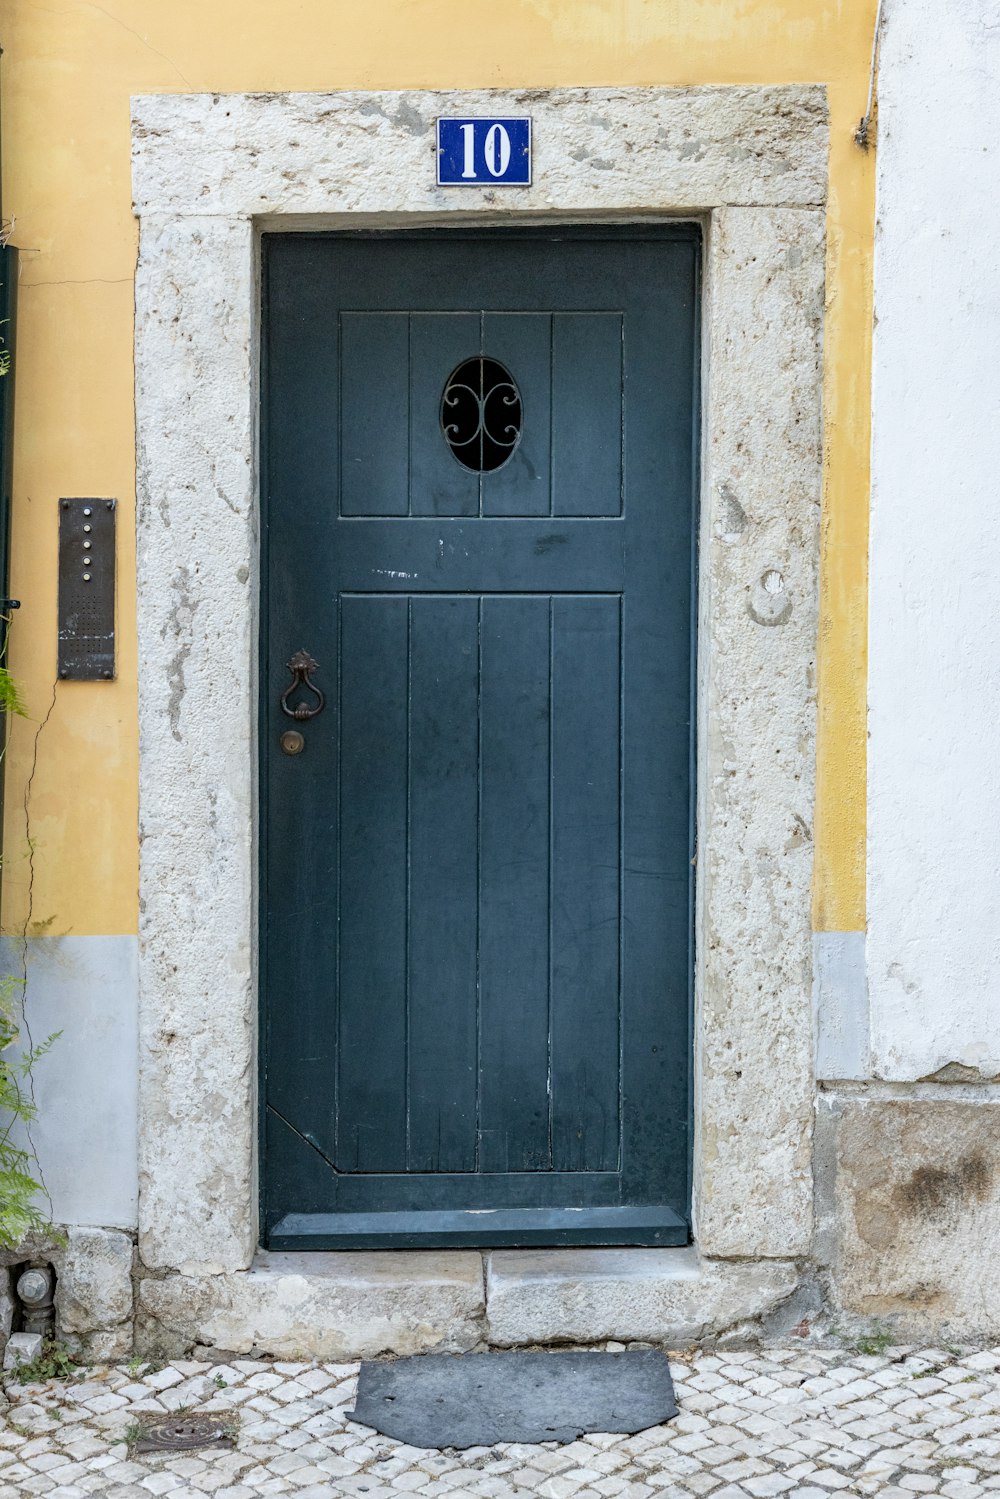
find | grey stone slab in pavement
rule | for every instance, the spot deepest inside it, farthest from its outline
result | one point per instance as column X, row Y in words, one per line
column 478, row 1399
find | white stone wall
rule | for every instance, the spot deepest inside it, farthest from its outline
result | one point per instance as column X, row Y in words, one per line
column 933, row 949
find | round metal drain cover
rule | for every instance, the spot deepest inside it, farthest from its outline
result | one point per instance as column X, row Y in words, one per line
column 183, row 1433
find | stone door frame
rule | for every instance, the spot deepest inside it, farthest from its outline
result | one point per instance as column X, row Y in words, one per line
column 211, row 172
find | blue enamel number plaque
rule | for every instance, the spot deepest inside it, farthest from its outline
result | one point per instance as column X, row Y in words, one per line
column 484, row 152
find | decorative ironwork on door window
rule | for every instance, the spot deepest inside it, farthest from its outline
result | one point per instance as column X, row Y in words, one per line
column 481, row 414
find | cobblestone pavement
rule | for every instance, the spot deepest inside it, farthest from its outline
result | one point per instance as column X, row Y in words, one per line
column 810, row 1424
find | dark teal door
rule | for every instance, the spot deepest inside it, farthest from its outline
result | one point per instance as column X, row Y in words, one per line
column 479, row 471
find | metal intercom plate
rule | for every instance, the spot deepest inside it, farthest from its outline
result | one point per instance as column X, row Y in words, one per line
column 87, row 590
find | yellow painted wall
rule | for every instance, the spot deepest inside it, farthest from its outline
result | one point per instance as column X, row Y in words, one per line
column 68, row 70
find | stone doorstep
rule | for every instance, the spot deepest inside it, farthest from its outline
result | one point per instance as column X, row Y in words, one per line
column 626, row 1295
column 346, row 1306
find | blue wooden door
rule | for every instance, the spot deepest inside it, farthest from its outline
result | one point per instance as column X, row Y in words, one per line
column 478, row 500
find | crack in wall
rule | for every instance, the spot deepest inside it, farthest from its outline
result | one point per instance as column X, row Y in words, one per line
column 23, row 939
column 139, row 38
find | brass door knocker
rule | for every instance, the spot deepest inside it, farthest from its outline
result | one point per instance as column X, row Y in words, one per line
column 301, row 667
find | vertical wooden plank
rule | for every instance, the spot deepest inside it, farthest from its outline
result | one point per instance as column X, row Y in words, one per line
column 299, row 796
column 514, row 885
column 374, row 411
column 371, row 1133
column 439, row 342
column 586, row 810
column 521, row 341
column 661, row 350
column 443, row 918
column 587, row 413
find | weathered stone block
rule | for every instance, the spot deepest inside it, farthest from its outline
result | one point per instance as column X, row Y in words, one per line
column 7, row 1304
column 106, row 1347
column 600, row 148
column 667, row 1296
column 330, row 1306
column 909, row 1200
column 22, row 1348
column 753, row 1183
column 94, row 1289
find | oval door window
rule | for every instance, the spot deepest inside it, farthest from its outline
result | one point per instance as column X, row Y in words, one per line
column 481, row 414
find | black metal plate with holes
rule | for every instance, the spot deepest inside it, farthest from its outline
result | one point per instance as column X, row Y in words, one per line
column 477, row 1399
column 87, row 590
column 184, row 1433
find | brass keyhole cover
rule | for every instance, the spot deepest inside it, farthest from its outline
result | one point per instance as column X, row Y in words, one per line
column 292, row 742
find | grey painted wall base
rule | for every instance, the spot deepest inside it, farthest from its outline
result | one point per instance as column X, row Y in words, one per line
column 86, row 1087
column 840, row 1006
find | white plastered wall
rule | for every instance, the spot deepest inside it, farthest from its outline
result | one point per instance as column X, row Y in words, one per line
column 934, row 675
column 210, row 171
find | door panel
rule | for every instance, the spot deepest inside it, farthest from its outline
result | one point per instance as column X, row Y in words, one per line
column 522, row 343
column 374, row 388
column 585, row 901
column 438, row 344
column 587, row 409
column 370, row 977
column 442, row 937
column 514, row 845
column 476, row 876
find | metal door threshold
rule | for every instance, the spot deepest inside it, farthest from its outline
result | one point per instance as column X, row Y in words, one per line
column 485, row 1228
